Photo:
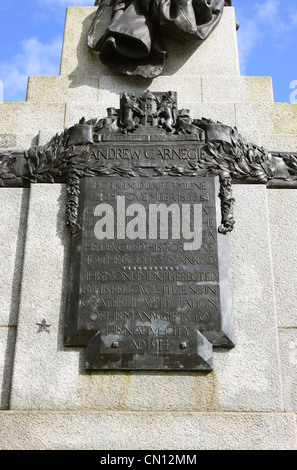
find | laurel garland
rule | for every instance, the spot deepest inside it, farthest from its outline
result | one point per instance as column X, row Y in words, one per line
column 56, row 162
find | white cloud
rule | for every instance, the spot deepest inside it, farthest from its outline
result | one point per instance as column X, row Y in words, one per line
column 34, row 58
column 293, row 19
column 268, row 11
column 269, row 20
column 45, row 10
column 248, row 38
column 273, row 16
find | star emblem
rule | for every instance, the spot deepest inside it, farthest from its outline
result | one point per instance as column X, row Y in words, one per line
column 43, row 326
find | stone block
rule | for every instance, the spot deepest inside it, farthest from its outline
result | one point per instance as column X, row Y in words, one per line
column 24, row 120
column 74, row 112
column 40, row 377
column 254, row 117
column 280, row 142
column 172, row 392
column 288, row 354
column 285, row 118
column 62, row 89
column 259, row 89
column 9, row 119
column 13, row 221
column 233, row 89
column 252, row 136
column 45, row 136
column 33, row 116
column 249, row 375
column 8, row 141
column 76, row 57
column 7, row 345
column 282, row 206
column 141, row 431
column 223, row 113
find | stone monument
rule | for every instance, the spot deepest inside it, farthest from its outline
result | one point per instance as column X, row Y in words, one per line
column 147, row 230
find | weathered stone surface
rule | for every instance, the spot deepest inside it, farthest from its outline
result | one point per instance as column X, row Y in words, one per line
column 24, row 120
column 233, row 89
column 155, row 431
column 13, row 221
column 39, row 372
column 74, row 112
column 45, row 136
column 254, row 117
column 266, row 117
column 76, row 58
column 62, row 89
column 7, row 345
column 280, row 142
column 258, row 89
column 282, row 204
column 249, row 375
column 8, row 141
column 284, row 118
column 288, row 355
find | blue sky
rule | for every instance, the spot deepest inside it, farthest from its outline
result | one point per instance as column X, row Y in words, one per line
column 31, row 33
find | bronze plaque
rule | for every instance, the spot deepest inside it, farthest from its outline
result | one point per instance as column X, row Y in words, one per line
column 150, row 282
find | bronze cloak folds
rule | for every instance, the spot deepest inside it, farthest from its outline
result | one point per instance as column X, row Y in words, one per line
column 133, row 42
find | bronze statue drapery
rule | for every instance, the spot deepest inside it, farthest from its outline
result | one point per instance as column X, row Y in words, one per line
column 133, row 42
